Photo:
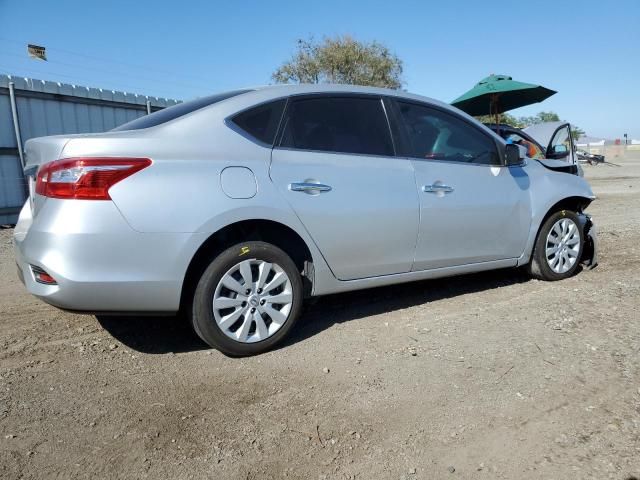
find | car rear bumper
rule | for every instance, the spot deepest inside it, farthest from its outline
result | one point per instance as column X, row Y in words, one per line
column 99, row 263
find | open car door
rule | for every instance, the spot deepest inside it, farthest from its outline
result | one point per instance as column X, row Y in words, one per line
column 558, row 142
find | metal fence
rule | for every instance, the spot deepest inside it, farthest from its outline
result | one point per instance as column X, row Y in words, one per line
column 34, row 108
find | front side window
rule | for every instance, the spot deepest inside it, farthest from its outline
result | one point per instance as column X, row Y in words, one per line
column 338, row 124
column 436, row 135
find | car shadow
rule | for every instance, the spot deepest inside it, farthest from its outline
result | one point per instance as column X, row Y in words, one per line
column 161, row 335
column 153, row 334
column 324, row 312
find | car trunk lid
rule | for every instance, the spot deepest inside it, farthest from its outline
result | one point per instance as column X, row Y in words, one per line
column 39, row 151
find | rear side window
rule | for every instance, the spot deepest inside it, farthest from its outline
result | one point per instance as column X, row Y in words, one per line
column 261, row 122
column 171, row 113
column 436, row 135
column 338, row 124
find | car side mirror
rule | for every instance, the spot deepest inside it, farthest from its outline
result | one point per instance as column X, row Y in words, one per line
column 558, row 152
column 514, row 155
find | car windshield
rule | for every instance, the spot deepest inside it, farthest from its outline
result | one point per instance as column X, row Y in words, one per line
column 171, row 113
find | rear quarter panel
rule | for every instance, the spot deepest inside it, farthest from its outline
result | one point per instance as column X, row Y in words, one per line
column 181, row 191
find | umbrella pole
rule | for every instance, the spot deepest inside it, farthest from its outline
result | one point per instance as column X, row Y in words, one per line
column 493, row 108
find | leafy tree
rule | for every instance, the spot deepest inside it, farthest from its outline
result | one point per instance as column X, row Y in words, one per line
column 505, row 118
column 522, row 122
column 540, row 118
column 341, row 60
column 577, row 132
column 547, row 117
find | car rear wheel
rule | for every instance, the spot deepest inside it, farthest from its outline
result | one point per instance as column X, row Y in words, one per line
column 247, row 299
column 558, row 248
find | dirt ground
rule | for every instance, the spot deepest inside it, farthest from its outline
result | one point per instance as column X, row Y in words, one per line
column 483, row 376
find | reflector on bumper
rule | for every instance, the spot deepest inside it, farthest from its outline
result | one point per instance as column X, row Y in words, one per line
column 41, row 276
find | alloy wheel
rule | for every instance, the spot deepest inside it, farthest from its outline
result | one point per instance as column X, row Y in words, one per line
column 252, row 300
column 563, row 245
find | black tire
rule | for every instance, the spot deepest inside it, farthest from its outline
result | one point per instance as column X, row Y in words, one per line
column 201, row 312
column 539, row 267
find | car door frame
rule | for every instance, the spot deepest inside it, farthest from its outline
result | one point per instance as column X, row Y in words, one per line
column 394, row 155
column 337, row 94
column 572, row 150
column 405, row 150
column 403, row 145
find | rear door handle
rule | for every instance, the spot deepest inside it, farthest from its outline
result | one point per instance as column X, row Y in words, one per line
column 437, row 188
column 309, row 187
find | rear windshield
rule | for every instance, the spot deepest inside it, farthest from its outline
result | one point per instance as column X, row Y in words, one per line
column 176, row 111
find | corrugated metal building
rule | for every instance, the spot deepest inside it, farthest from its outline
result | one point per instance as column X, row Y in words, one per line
column 51, row 108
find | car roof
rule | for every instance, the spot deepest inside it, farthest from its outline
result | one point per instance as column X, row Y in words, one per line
column 268, row 92
column 255, row 95
column 503, row 126
column 302, row 88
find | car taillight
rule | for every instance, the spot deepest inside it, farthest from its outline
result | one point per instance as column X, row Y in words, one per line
column 85, row 178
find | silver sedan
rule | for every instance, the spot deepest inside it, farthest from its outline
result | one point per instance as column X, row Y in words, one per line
column 235, row 207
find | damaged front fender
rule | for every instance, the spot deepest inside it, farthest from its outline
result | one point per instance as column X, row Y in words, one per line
column 589, row 257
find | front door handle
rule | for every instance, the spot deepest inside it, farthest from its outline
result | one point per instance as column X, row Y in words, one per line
column 437, row 188
column 309, row 187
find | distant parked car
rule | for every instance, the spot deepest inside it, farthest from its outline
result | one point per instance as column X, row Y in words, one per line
column 591, row 158
column 235, row 207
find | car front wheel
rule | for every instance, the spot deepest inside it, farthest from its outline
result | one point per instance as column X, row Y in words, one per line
column 558, row 249
column 247, row 299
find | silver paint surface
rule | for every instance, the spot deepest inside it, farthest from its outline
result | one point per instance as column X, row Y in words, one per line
column 376, row 226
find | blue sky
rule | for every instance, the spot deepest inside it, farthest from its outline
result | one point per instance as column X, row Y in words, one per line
column 586, row 50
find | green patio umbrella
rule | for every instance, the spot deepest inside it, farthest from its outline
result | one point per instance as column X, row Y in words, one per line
column 497, row 94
